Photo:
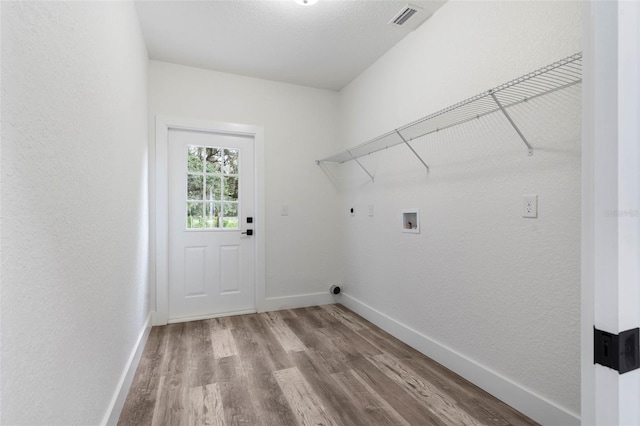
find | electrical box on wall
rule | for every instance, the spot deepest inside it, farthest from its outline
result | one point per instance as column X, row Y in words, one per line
column 411, row 221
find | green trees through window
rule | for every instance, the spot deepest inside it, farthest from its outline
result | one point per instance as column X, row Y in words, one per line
column 212, row 188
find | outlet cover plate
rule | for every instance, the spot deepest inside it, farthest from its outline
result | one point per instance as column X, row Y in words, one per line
column 530, row 206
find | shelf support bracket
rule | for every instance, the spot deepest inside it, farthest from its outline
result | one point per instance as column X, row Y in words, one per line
column 504, row 111
column 413, row 150
column 361, row 166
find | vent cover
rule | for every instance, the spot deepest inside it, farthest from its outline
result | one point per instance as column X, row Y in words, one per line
column 404, row 15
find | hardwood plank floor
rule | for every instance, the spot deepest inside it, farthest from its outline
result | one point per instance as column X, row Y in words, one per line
column 322, row 365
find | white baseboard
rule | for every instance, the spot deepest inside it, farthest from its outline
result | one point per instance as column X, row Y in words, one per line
column 299, row 301
column 267, row 305
column 120, row 395
column 520, row 398
column 210, row 316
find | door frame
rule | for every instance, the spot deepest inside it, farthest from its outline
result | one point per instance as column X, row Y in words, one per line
column 163, row 124
column 610, row 169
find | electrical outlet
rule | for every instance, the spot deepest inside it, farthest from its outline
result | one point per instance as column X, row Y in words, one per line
column 530, row 206
column 370, row 210
column 284, row 210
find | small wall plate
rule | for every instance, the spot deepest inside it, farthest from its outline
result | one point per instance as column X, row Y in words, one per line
column 411, row 221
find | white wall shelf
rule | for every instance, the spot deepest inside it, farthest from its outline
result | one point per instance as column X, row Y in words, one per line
column 556, row 76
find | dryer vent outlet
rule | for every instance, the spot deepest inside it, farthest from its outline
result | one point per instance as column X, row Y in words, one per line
column 334, row 289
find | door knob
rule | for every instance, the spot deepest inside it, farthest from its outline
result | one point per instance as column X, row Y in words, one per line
column 249, row 232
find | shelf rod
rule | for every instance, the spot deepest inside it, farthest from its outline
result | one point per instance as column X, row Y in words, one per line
column 361, row 166
column 412, row 150
column 504, row 111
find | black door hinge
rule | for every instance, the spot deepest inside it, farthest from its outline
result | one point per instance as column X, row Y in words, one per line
column 617, row 351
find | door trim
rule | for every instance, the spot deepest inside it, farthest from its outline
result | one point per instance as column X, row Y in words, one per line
column 163, row 124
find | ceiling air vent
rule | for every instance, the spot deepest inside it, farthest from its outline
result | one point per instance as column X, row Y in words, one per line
column 404, row 15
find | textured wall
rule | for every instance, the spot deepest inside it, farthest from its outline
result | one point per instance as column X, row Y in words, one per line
column 74, row 207
column 300, row 124
column 0, row 223
column 499, row 289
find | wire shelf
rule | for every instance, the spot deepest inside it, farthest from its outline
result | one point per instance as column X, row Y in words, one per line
column 556, row 76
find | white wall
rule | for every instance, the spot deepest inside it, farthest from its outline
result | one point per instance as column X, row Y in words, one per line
column 300, row 125
column 74, row 207
column 0, row 225
column 481, row 289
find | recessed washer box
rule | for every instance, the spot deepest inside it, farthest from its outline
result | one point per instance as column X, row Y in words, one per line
column 411, row 221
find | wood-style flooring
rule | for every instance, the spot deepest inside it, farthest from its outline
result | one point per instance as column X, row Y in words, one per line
column 322, row 365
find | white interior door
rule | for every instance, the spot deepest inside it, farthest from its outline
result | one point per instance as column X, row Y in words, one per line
column 211, row 210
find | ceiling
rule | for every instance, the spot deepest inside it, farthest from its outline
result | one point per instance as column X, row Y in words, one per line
column 325, row 45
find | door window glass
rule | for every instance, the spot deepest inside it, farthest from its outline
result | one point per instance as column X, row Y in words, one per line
column 212, row 183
